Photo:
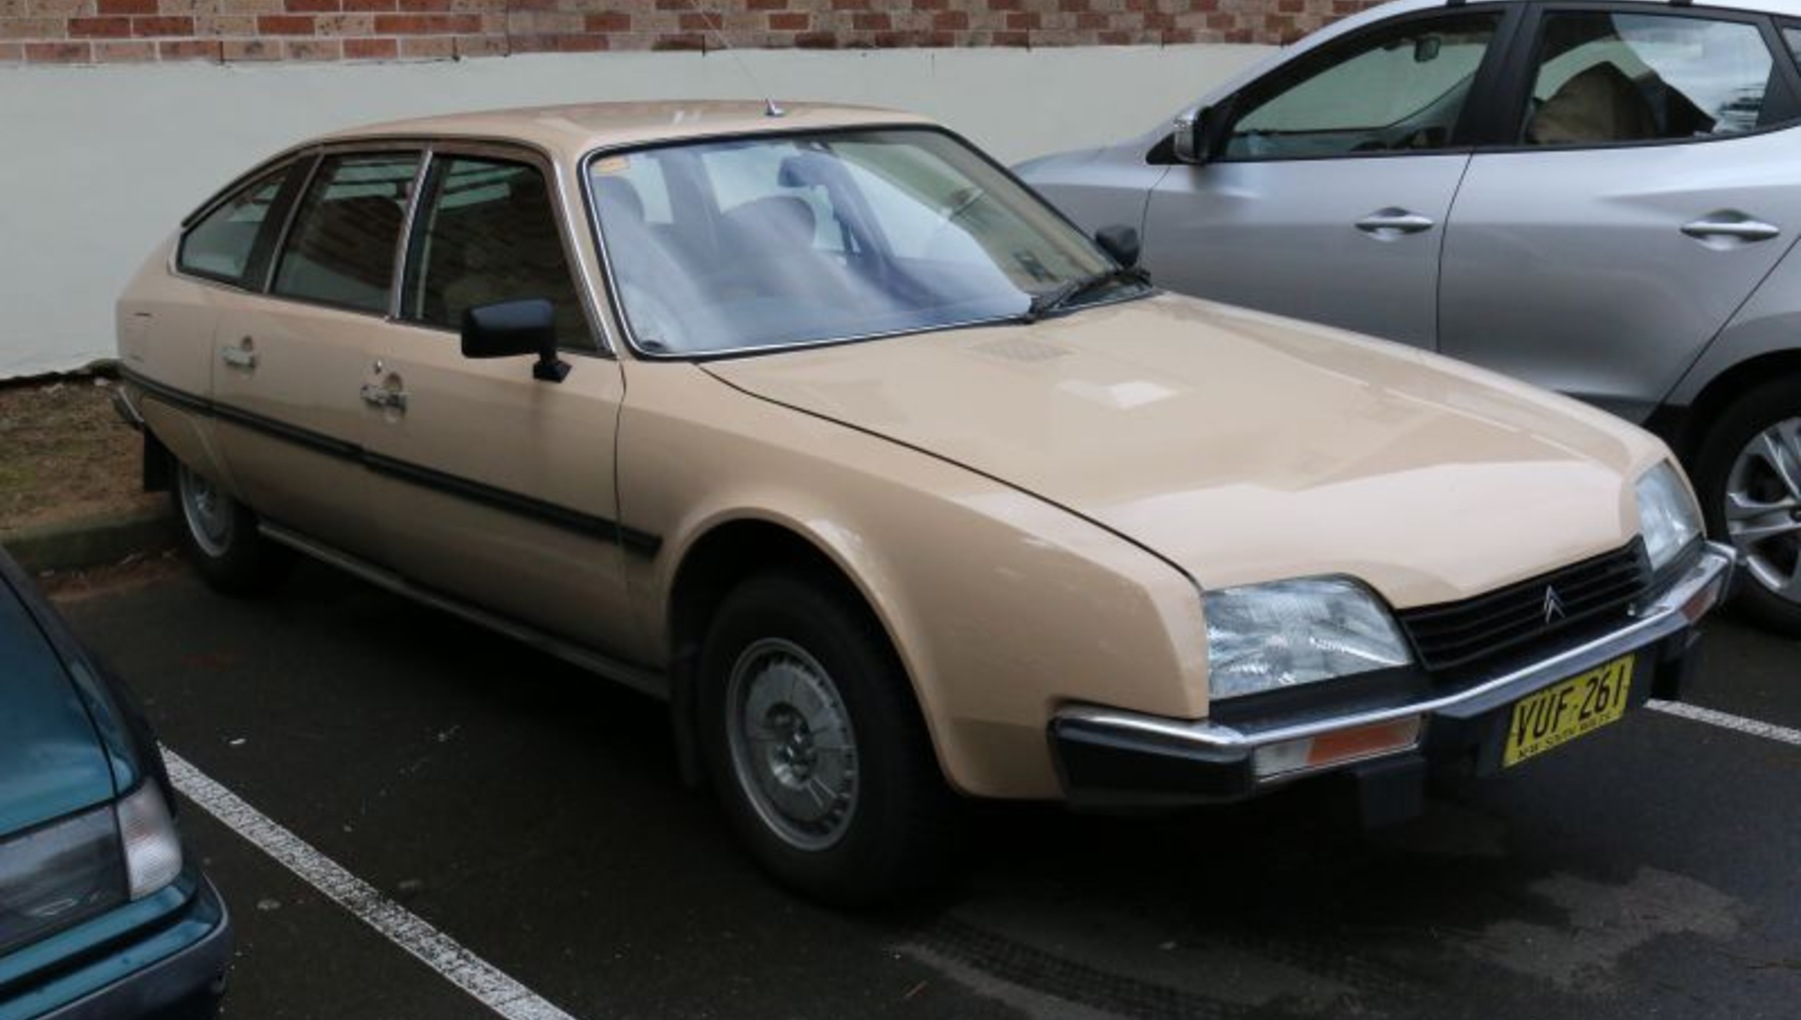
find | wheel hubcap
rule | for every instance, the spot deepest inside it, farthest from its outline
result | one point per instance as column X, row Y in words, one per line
column 208, row 512
column 1763, row 507
column 793, row 750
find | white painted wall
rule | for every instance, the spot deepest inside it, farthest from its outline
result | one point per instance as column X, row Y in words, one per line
column 98, row 164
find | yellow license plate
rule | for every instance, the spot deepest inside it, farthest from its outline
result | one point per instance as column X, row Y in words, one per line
column 1565, row 711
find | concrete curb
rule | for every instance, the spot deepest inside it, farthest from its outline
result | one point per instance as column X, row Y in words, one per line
column 91, row 541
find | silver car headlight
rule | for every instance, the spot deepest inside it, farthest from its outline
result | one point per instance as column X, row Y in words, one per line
column 1667, row 516
column 1263, row 637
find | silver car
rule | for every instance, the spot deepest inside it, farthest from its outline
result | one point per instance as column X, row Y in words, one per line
column 1595, row 197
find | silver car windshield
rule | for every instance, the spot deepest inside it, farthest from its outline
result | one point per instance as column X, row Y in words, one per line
column 784, row 240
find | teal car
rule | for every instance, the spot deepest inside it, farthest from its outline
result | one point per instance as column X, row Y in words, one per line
column 101, row 913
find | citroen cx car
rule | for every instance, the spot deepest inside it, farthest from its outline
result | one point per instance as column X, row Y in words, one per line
column 1594, row 197
column 816, row 423
column 102, row 916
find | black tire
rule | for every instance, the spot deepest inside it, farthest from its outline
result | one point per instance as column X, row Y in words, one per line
column 220, row 537
column 1731, row 435
column 899, row 829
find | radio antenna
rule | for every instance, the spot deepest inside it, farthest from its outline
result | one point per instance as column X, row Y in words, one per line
column 714, row 26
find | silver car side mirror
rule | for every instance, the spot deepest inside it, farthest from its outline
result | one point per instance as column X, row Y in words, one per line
column 1189, row 143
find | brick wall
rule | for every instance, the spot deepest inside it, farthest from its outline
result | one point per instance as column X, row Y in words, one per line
column 226, row 31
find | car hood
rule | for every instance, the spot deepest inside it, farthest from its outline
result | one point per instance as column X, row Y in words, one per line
column 50, row 753
column 1245, row 447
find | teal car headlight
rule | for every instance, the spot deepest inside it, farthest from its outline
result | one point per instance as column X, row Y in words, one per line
column 1667, row 516
column 58, row 875
column 1264, row 637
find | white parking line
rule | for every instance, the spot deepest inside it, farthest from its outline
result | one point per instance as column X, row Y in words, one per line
column 1726, row 720
column 436, row 950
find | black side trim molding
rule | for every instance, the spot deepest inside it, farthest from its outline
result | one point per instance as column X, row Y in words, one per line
column 632, row 540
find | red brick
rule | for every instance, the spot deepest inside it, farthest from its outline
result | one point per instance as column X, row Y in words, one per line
column 285, row 24
column 765, row 5
column 162, row 26
column 951, row 21
column 377, row 6
column 99, row 28
column 816, row 41
column 609, row 21
column 371, row 49
column 680, row 41
column 790, row 21
column 125, row 7
column 135, row 52
column 871, row 22
column 311, row 6
column 581, row 42
column 1017, row 40
column 59, row 53
column 425, row 6
column 189, row 49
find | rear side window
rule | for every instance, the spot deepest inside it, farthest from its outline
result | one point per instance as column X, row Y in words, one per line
column 222, row 244
column 1608, row 77
column 341, row 248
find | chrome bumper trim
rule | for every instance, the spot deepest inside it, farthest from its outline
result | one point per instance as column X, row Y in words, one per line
column 126, row 411
column 1677, row 607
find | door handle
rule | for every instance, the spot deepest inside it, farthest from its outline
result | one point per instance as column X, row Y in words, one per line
column 377, row 395
column 242, row 356
column 1390, row 223
column 1739, row 228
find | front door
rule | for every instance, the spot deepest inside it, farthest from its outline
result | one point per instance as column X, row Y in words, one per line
column 491, row 485
column 1326, row 194
column 1639, row 199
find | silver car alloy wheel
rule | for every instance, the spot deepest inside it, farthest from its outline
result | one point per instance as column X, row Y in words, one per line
column 1763, row 507
column 210, row 513
column 793, row 750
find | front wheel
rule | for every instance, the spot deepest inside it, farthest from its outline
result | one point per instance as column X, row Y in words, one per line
column 816, row 745
column 220, row 536
column 1749, row 477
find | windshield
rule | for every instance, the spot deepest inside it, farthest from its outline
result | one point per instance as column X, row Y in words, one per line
column 776, row 240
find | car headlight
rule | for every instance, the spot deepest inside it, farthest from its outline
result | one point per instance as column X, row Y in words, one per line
column 152, row 847
column 1262, row 637
column 1667, row 516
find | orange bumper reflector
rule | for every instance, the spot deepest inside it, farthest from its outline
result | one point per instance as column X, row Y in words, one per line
column 1337, row 746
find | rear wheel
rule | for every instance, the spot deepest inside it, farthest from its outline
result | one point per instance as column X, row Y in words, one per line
column 220, row 536
column 1749, row 476
column 816, row 746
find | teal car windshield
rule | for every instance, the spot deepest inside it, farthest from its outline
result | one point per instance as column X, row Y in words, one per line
column 784, row 240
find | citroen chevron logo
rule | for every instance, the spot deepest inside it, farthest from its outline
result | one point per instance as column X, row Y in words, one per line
column 1553, row 605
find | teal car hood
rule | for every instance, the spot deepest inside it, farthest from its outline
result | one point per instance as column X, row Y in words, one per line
column 51, row 758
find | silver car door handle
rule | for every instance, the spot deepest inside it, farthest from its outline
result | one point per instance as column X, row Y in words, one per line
column 1743, row 230
column 1394, row 221
column 238, row 357
column 377, row 395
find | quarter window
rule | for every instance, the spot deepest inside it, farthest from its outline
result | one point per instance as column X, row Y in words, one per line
column 341, row 248
column 1609, row 77
column 489, row 234
column 1401, row 88
column 222, row 244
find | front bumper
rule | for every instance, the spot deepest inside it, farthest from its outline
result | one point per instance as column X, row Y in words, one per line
column 175, row 971
column 1109, row 758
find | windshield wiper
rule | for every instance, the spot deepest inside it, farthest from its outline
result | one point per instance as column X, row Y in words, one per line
column 1047, row 301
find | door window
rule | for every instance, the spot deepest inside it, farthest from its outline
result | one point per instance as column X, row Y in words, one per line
column 489, row 234
column 221, row 245
column 1606, row 77
column 1399, row 88
column 341, row 248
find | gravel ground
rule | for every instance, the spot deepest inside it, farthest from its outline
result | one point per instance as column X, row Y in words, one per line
column 64, row 453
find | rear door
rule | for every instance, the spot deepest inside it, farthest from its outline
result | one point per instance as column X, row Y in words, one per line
column 490, row 484
column 291, row 362
column 1327, row 194
column 1647, row 183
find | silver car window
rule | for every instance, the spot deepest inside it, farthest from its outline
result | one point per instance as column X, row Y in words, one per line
column 1396, row 88
column 774, row 241
column 1607, row 77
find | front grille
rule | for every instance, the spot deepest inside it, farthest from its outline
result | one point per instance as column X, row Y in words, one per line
column 1452, row 635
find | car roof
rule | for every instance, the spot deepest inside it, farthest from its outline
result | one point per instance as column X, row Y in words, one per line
column 580, row 128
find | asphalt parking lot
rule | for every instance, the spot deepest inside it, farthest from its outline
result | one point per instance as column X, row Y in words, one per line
column 533, row 818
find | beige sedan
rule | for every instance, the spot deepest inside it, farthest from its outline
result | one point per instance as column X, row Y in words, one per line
column 818, row 425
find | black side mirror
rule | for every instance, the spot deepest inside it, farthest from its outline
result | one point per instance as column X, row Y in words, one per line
column 1121, row 242
column 1192, row 141
column 510, row 329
